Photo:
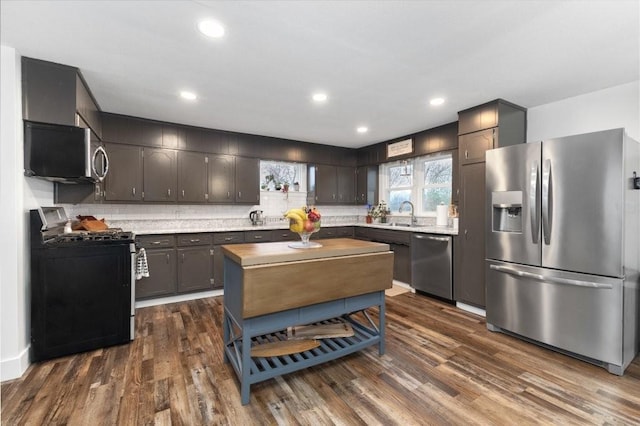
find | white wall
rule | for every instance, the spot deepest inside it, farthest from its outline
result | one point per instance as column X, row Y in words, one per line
column 610, row 108
column 14, row 338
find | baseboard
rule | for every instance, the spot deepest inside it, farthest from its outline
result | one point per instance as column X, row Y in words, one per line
column 405, row 285
column 471, row 309
column 178, row 298
column 14, row 368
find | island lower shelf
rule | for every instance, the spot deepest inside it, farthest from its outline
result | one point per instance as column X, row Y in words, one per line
column 250, row 370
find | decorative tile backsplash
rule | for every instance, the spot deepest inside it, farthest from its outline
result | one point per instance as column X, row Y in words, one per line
column 272, row 203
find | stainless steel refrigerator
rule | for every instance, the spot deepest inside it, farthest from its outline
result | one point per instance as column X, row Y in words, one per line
column 562, row 245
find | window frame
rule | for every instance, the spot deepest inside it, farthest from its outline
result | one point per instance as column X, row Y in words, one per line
column 418, row 186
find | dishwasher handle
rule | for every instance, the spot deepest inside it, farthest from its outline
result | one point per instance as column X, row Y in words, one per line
column 429, row 237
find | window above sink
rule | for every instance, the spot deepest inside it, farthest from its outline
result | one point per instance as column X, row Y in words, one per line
column 425, row 181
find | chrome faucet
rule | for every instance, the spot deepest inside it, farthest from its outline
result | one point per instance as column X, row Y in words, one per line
column 413, row 218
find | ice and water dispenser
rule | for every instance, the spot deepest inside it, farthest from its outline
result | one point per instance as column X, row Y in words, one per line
column 506, row 211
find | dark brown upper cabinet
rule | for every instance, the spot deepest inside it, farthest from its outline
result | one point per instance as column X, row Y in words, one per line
column 124, row 180
column 55, row 93
column 221, row 179
column 247, row 180
column 160, row 180
column 192, row 177
column 130, row 130
column 510, row 118
column 438, row 139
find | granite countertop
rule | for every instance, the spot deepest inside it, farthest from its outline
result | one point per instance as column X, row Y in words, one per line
column 149, row 227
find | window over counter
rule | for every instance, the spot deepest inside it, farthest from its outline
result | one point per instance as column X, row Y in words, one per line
column 275, row 175
column 425, row 181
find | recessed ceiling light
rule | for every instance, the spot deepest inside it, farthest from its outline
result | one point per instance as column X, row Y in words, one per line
column 190, row 96
column 211, row 28
column 362, row 129
column 436, row 101
column 319, row 97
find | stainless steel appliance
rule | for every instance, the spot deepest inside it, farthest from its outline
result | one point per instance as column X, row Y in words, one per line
column 431, row 264
column 82, row 286
column 256, row 217
column 63, row 153
column 563, row 236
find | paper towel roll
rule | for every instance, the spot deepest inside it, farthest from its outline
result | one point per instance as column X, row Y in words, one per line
column 442, row 213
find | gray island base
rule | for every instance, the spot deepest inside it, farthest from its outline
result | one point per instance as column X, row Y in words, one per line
column 270, row 286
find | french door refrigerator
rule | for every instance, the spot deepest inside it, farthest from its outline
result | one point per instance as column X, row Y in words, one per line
column 562, row 245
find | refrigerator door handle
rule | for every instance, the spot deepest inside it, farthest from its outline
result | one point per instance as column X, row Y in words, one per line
column 554, row 280
column 546, row 202
column 533, row 202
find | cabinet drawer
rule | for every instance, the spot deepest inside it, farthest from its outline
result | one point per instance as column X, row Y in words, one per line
column 194, row 240
column 228, row 237
column 284, row 235
column 473, row 146
column 257, row 236
column 156, row 241
column 391, row 237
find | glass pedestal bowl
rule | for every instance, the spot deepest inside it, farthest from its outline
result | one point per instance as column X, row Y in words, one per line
column 304, row 242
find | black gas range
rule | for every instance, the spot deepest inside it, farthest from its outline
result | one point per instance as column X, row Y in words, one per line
column 82, row 286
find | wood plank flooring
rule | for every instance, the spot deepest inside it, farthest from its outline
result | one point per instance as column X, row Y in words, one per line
column 442, row 366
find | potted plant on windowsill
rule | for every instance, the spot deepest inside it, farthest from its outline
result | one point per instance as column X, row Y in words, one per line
column 379, row 213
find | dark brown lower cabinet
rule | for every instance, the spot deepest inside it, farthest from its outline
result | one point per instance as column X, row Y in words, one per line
column 401, row 262
column 162, row 274
column 195, row 268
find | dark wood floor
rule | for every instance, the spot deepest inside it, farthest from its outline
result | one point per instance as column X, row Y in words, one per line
column 441, row 367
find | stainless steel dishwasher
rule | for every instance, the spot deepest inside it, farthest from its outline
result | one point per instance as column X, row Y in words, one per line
column 431, row 264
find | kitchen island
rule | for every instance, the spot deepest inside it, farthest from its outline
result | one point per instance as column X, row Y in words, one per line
column 271, row 286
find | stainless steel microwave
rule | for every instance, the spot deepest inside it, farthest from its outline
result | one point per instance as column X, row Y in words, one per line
column 62, row 153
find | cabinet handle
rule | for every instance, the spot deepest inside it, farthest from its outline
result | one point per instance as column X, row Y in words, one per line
column 167, row 258
column 228, row 194
column 183, row 193
column 133, row 191
column 197, row 240
column 466, row 154
column 239, row 194
column 228, row 239
column 257, row 237
column 156, row 242
column 182, row 257
column 211, row 252
column 168, row 192
column 465, row 234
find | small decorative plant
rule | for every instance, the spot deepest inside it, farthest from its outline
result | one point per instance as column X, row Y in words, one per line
column 380, row 211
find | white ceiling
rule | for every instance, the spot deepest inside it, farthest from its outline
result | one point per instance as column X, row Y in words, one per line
column 379, row 61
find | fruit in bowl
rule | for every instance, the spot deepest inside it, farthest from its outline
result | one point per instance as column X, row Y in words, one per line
column 304, row 221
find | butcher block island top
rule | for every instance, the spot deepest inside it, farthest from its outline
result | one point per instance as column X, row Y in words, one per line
column 271, row 288
column 261, row 253
column 276, row 277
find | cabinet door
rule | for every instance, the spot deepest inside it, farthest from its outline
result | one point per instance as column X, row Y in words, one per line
column 247, row 179
column 401, row 262
column 160, row 174
column 469, row 282
column 218, row 267
column 124, row 180
column 361, row 185
column 221, row 179
column 195, row 269
column 473, row 146
column 162, row 274
column 478, row 118
column 192, row 177
column 48, row 92
column 346, row 185
column 326, row 180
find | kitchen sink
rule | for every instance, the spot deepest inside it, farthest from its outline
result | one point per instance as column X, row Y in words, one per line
column 405, row 225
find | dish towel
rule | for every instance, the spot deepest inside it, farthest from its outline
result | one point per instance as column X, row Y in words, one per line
column 142, row 267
